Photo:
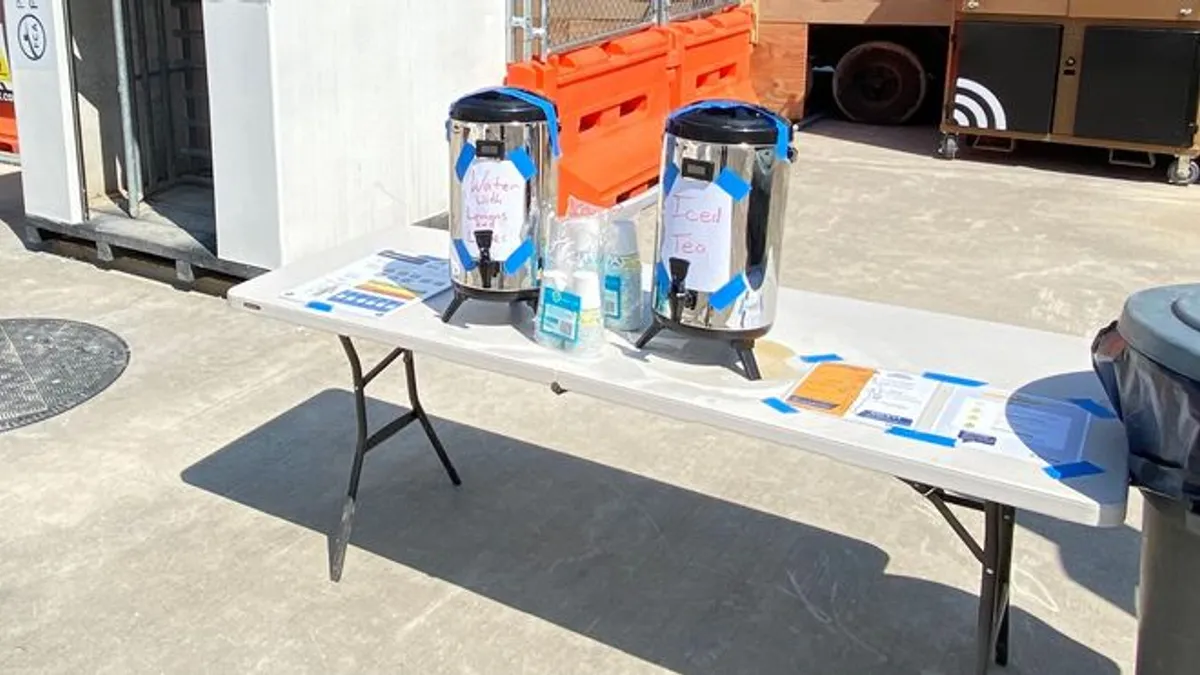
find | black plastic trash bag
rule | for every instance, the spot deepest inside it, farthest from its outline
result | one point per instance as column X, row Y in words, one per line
column 1161, row 412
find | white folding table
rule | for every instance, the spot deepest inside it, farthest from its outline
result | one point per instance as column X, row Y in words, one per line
column 686, row 380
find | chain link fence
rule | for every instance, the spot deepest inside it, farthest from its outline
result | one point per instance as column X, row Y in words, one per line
column 538, row 28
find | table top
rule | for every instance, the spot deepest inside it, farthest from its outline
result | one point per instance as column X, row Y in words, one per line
column 689, row 379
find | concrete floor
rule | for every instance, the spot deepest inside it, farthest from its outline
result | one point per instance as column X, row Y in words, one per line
column 177, row 523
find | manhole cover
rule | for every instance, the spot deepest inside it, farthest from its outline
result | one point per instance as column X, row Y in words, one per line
column 48, row 366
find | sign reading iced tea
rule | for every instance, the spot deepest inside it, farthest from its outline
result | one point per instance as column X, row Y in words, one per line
column 697, row 226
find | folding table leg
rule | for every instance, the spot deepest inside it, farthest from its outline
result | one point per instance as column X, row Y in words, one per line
column 992, row 633
column 1008, row 519
column 364, row 441
column 995, row 559
column 414, row 400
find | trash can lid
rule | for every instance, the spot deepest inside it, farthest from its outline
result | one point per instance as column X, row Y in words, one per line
column 498, row 107
column 1164, row 324
column 728, row 122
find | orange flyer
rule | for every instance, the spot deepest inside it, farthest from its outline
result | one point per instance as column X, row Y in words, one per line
column 831, row 388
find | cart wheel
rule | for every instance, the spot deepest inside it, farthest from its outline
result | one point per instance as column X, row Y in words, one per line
column 948, row 146
column 879, row 83
column 1179, row 174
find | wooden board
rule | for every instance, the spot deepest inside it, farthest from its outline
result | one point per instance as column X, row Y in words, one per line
column 779, row 67
column 855, row 12
column 1014, row 7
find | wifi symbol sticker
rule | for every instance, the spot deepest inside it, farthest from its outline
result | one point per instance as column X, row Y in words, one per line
column 976, row 106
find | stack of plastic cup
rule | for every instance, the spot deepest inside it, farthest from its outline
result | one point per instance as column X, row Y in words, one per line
column 570, row 316
column 623, row 309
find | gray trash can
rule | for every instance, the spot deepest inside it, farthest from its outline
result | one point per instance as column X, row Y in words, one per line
column 1149, row 362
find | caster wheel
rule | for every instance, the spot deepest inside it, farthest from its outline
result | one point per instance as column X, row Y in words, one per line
column 948, row 146
column 1178, row 174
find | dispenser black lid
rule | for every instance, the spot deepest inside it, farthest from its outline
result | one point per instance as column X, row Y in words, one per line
column 729, row 124
column 495, row 106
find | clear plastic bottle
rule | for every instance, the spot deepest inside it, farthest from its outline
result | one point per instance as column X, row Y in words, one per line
column 623, row 310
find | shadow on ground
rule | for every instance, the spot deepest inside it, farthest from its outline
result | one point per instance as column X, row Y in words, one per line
column 1105, row 561
column 1052, row 157
column 12, row 204
column 677, row 578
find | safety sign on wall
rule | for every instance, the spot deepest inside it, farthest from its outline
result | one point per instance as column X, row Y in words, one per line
column 30, row 36
column 6, row 91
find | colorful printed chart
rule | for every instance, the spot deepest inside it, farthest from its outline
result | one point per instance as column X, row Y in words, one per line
column 376, row 285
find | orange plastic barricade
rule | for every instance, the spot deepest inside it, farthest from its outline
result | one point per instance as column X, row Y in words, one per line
column 612, row 100
column 8, row 128
column 8, row 112
column 710, row 57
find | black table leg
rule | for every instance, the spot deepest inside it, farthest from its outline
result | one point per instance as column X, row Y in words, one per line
column 992, row 633
column 364, row 441
column 995, row 559
column 1008, row 519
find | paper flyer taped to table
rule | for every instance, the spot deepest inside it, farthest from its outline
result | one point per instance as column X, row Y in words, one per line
column 894, row 399
column 883, row 398
column 377, row 285
column 830, row 388
column 1030, row 428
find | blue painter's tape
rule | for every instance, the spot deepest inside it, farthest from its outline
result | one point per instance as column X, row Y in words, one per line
column 465, row 157
column 464, row 256
column 547, row 108
column 728, row 294
column 1072, row 470
column 662, row 278
column 781, row 125
column 519, row 257
column 923, row 436
column 1093, row 407
column 524, row 163
column 779, row 405
column 669, row 176
column 820, row 358
column 320, row 306
column 953, row 379
column 732, row 183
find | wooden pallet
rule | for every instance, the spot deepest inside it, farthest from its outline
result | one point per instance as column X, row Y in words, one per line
column 114, row 237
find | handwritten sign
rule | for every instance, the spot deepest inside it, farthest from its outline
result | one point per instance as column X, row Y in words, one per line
column 493, row 198
column 697, row 226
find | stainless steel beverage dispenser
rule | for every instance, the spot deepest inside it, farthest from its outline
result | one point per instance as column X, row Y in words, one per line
column 503, row 178
column 723, row 192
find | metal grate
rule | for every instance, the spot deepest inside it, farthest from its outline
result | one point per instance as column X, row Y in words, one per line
column 688, row 9
column 574, row 23
column 48, row 366
column 544, row 27
column 170, row 90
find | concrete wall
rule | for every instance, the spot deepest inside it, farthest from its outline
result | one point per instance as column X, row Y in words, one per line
column 358, row 94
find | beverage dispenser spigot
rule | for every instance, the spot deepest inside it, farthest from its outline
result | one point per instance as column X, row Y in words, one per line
column 488, row 268
column 678, row 295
